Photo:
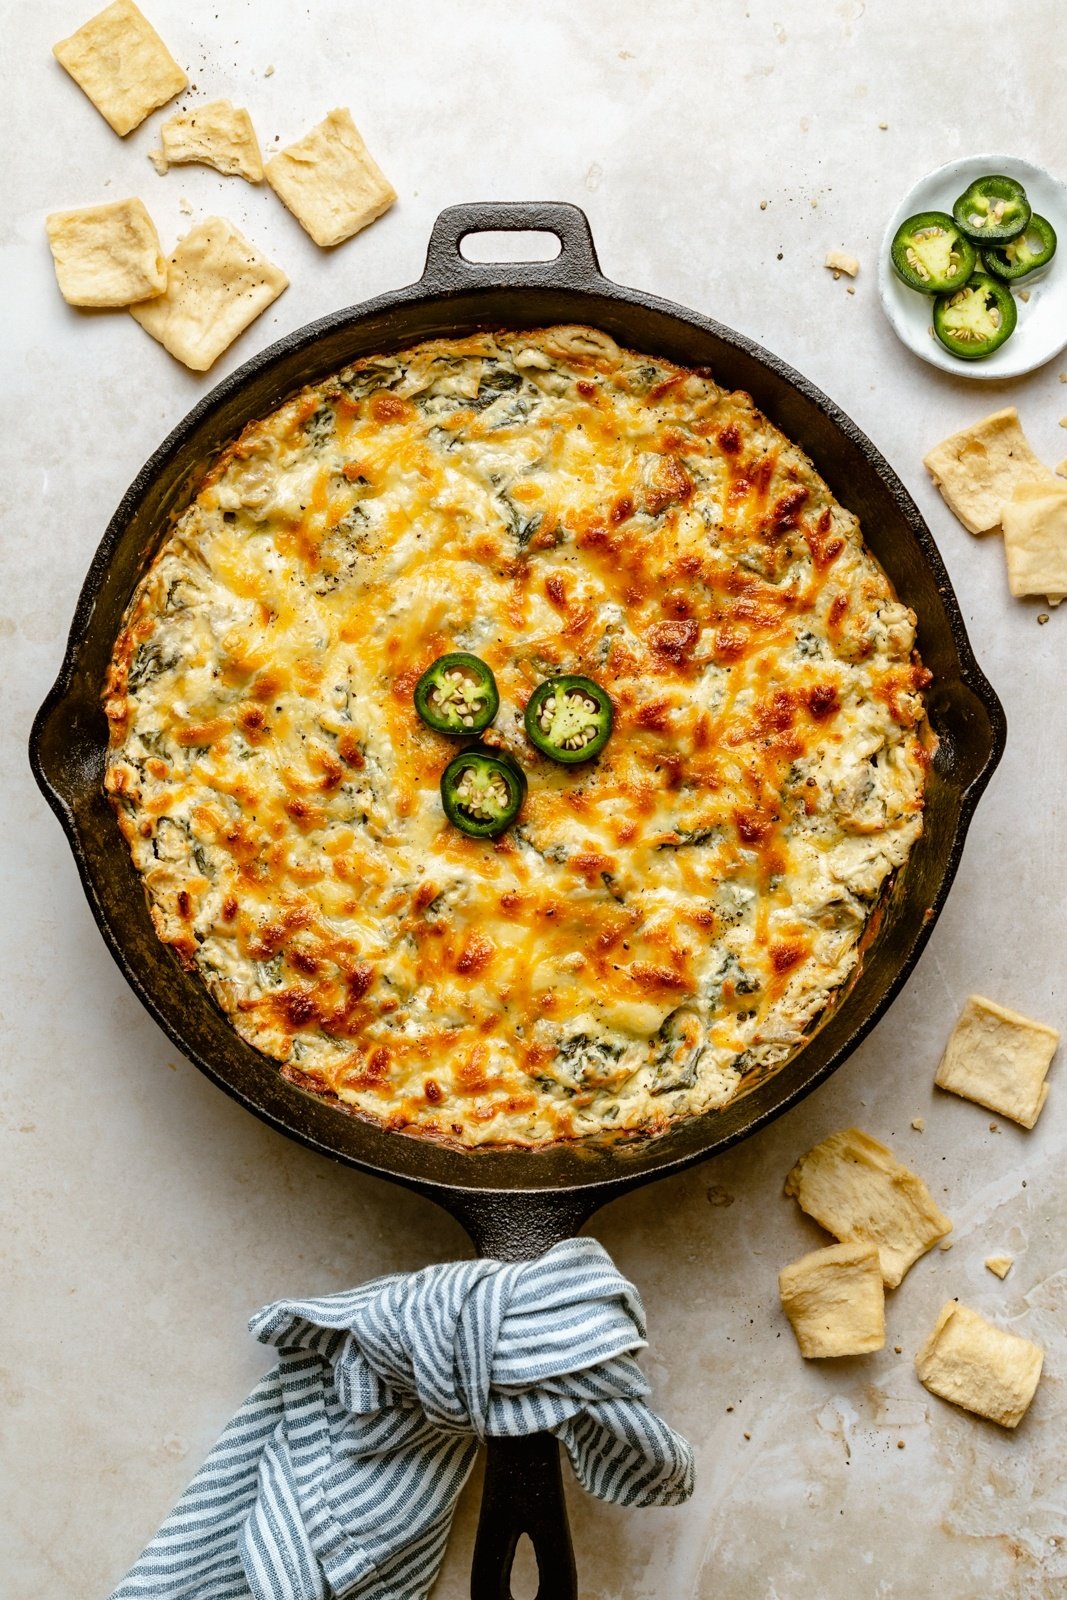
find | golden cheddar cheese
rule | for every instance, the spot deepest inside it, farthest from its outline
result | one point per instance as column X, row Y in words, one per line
column 662, row 927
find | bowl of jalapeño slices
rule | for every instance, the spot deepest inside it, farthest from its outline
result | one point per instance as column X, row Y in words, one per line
column 969, row 275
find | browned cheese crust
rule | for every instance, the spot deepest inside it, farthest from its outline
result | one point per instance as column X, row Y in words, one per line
column 664, row 925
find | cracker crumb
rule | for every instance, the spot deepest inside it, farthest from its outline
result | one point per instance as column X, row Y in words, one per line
column 1042, row 617
column 840, row 261
column 1063, row 422
column 1063, row 377
column 746, row 1436
column 898, row 1349
column 1024, row 294
column 883, row 126
column 185, row 206
column 918, row 1123
column 268, row 72
column 763, row 205
column 1000, row 1265
column 814, row 205
column 994, row 1127
column 946, row 1244
column 851, row 289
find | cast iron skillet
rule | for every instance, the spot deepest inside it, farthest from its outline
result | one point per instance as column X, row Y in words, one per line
column 514, row 1204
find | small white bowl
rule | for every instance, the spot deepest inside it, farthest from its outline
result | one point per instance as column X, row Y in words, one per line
column 1041, row 331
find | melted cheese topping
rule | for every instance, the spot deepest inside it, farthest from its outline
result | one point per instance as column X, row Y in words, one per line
column 661, row 927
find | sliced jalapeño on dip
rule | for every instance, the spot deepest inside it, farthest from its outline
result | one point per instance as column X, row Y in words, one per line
column 993, row 209
column 482, row 792
column 457, row 695
column 975, row 320
column 931, row 253
column 569, row 719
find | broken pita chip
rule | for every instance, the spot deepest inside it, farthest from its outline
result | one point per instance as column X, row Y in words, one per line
column 998, row 1059
column 122, row 64
column 1035, row 540
column 840, row 261
column 1000, row 1265
column 217, row 284
column 856, row 1189
column 330, row 181
column 106, row 255
column 835, row 1301
column 978, row 468
column 217, row 135
column 980, row 1367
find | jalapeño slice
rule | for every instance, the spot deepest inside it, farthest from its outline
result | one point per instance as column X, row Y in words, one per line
column 975, row 320
column 569, row 719
column 482, row 792
column 1033, row 248
column 993, row 209
column 457, row 695
column 931, row 253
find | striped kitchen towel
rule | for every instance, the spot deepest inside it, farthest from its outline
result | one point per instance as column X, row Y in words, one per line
column 340, row 1473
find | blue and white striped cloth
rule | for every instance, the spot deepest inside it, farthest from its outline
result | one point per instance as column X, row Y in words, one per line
column 340, row 1473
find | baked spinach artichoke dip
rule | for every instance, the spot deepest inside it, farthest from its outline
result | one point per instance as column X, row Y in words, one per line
column 516, row 736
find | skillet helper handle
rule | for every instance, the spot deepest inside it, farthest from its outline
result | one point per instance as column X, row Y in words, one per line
column 576, row 266
column 523, row 1494
column 523, row 1490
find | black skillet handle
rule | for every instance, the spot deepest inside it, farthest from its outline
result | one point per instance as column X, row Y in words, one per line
column 576, row 266
column 523, row 1494
column 523, row 1491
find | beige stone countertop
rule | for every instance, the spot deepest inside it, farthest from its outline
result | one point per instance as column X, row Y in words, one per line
column 145, row 1214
